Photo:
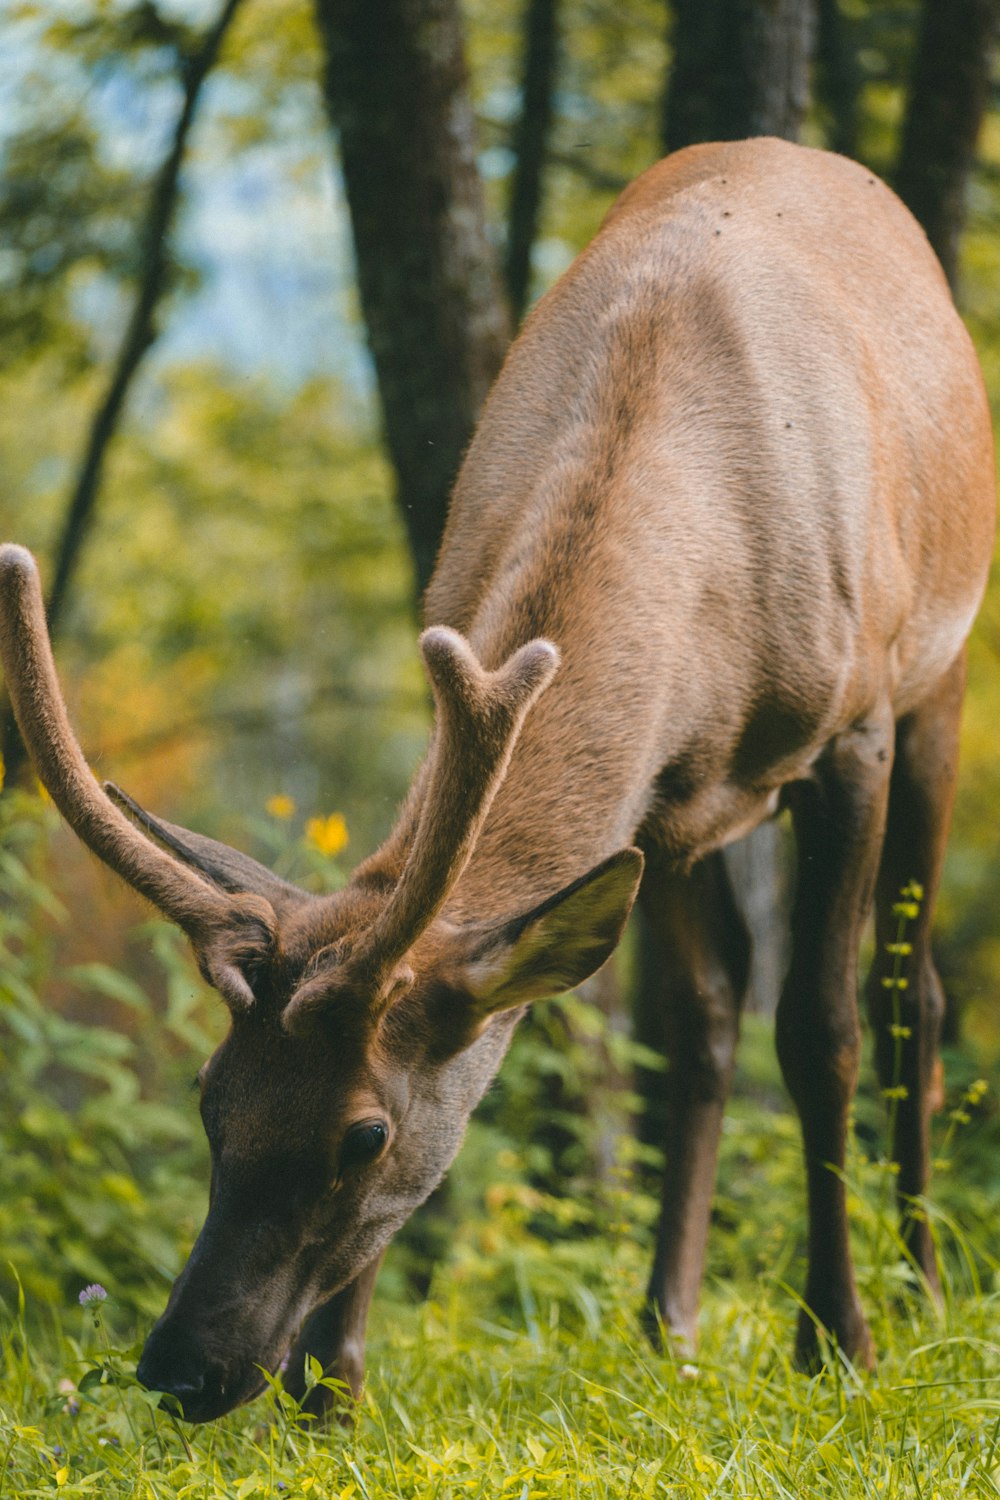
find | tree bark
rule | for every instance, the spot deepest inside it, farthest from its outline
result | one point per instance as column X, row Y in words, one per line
column 396, row 92
column 838, row 75
column 530, row 142
column 948, row 95
column 139, row 335
column 740, row 68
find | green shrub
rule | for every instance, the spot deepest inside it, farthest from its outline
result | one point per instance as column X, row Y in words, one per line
column 524, row 1375
column 101, row 1182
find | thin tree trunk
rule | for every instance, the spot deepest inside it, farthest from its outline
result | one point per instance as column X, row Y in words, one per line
column 740, row 68
column 396, row 92
column 139, row 335
column 530, row 141
column 395, row 87
column 948, row 95
column 589, row 173
column 838, row 75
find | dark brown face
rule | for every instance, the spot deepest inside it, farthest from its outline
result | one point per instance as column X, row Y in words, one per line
column 322, row 1147
column 365, row 1024
column 327, row 1134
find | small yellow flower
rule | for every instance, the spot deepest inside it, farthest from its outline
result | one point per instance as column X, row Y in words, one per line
column 281, row 806
column 328, row 835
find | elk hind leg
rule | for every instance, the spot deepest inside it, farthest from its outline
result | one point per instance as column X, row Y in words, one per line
column 906, row 1021
column 703, row 950
column 839, row 819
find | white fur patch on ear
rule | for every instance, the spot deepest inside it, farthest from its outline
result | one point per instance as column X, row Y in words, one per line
column 487, row 974
column 558, row 944
column 399, row 983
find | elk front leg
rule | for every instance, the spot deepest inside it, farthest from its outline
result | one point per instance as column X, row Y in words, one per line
column 839, row 824
column 703, row 950
column 335, row 1335
column 921, row 794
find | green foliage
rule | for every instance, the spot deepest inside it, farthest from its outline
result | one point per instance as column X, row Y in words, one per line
column 243, row 627
column 105, row 1163
column 249, row 628
column 101, row 1182
column 525, row 1374
column 67, row 222
column 285, row 617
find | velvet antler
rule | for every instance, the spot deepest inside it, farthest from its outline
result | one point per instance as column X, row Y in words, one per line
column 228, row 932
column 479, row 717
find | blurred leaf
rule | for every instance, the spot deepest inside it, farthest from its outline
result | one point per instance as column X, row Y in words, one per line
column 110, row 982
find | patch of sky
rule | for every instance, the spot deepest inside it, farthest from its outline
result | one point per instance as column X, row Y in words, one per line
column 263, row 224
column 496, row 161
column 136, row 116
column 27, row 69
column 502, row 101
column 550, row 257
column 264, row 227
column 270, row 242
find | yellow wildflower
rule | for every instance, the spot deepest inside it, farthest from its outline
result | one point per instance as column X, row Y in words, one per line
column 281, row 806
column 328, row 835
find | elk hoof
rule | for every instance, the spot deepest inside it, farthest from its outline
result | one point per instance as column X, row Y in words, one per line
column 816, row 1343
column 667, row 1335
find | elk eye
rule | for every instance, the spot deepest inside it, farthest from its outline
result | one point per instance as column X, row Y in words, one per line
column 362, row 1144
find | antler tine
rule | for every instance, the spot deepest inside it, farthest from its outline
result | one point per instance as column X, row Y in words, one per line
column 479, row 717
column 41, row 715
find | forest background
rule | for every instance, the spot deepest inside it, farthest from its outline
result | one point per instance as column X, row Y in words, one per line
column 258, row 264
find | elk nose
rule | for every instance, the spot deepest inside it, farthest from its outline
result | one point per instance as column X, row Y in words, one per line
column 181, row 1378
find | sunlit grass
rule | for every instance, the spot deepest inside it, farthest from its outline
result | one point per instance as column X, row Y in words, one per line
column 525, row 1375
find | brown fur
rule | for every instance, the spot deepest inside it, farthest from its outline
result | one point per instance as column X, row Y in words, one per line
column 738, row 469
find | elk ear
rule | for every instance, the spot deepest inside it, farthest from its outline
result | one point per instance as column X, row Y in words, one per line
column 556, row 945
column 225, row 867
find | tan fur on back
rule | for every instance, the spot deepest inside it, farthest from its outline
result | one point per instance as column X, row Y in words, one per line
column 738, row 467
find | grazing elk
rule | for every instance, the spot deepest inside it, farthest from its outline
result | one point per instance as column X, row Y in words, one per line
column 715, row 550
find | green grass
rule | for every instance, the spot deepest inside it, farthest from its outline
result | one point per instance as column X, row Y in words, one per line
column 525, row 1376
column 459, row 1405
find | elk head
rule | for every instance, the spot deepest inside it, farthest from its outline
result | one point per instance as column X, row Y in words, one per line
column 365, row 1024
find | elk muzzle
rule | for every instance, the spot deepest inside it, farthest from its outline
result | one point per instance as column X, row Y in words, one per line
column 231, row 1316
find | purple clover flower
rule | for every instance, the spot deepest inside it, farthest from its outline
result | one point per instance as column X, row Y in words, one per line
column 93, row 1293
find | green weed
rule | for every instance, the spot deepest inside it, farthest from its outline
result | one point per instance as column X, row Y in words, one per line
column 524, row 1374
